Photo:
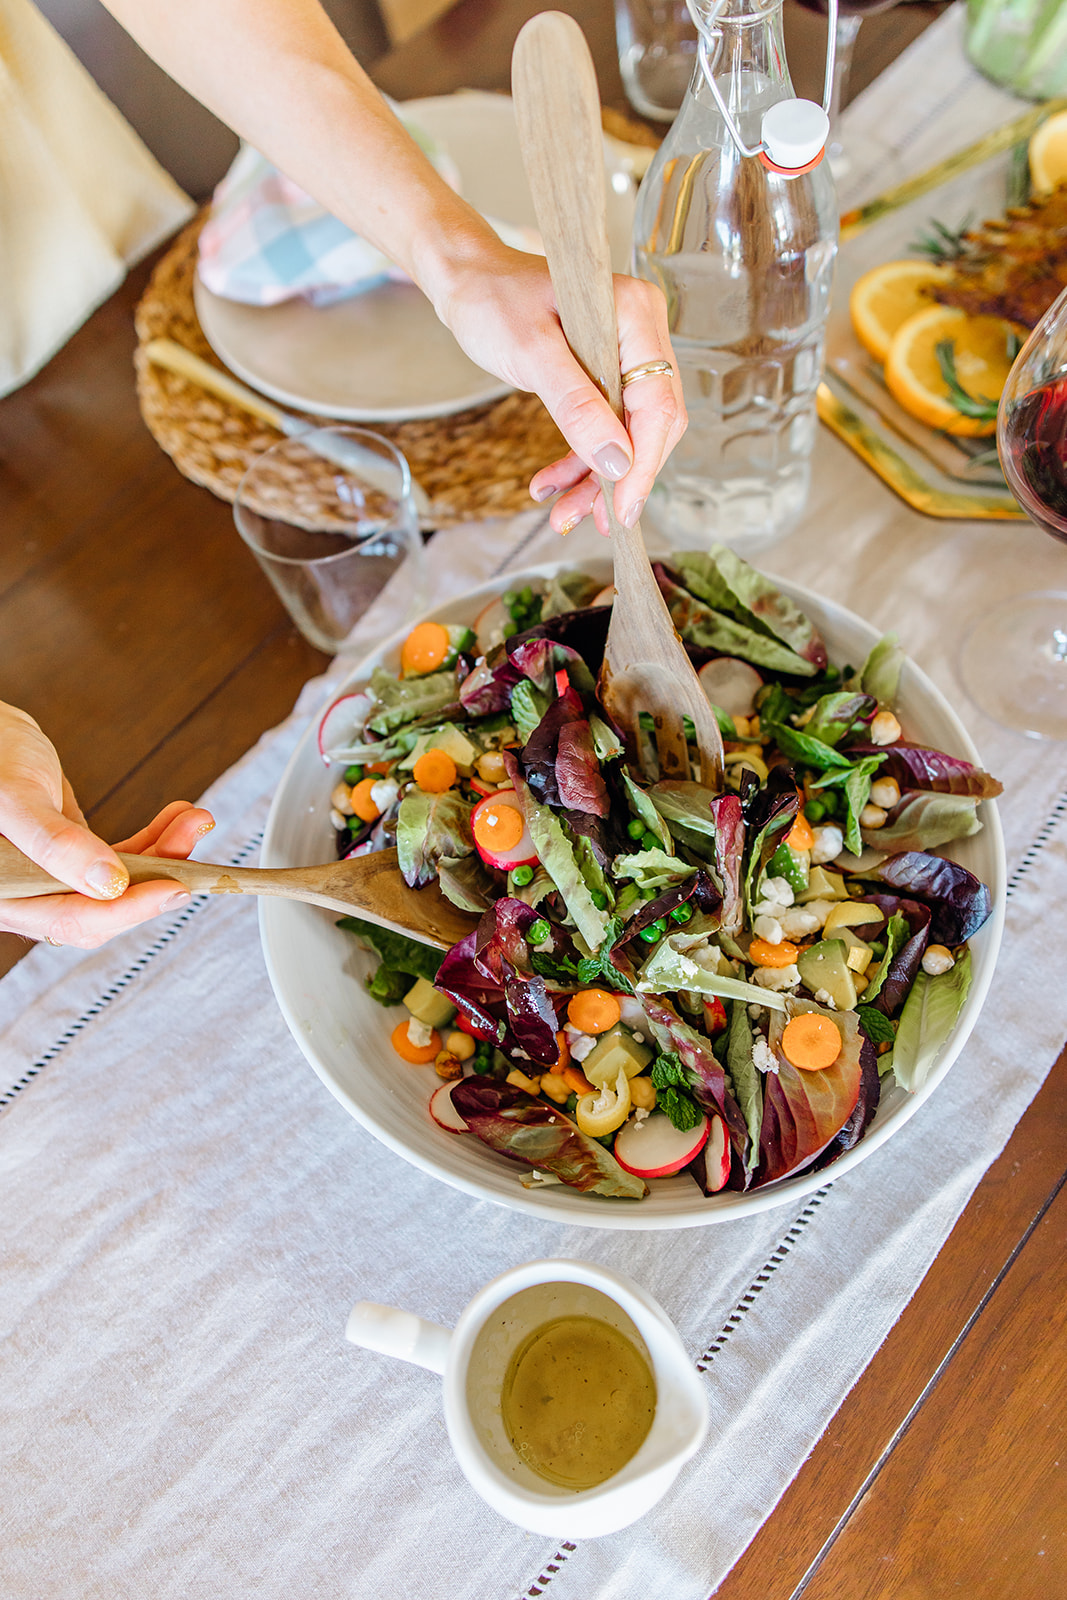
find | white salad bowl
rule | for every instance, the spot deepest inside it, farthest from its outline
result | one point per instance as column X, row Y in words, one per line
column 317, row 970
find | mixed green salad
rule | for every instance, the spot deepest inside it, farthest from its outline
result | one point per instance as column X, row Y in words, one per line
column 661, row 978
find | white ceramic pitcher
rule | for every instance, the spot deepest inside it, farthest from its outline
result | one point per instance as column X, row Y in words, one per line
column 474, row 1359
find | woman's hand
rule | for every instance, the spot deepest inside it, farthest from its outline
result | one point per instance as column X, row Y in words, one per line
column 502, row 310
column 40, row 816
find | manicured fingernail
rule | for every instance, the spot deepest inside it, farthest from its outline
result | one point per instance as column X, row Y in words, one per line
column 630, row 519
column 172, row 902
column 209, row 827
column 569, row 526
column 107, row 880
column 611, row 461
column 543, row 493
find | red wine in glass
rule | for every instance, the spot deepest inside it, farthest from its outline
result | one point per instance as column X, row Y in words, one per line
column 1013, row 661
column 1033, row 444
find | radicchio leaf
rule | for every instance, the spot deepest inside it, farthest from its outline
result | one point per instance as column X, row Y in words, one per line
column 917, row 767
column 867, row 1104
column 581, row 787
column 804, row 1111
column 582, row 633
column 729, row 821
column 488, row 688
column 529, row 1130
column 959, row 902
column 906, row 962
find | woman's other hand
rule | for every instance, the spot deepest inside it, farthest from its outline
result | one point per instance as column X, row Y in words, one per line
column 40, row 816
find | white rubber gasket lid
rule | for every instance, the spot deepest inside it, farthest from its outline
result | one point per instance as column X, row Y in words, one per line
column 794, row 132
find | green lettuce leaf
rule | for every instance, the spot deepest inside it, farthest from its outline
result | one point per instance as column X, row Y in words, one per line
column 430, row 826
column 880, row 675
column 897, row 934
column 528, row 706
column 744, row 1078
column 555, row 851
column 855, row 780
column 728, row 584
column 928, row 1017
column 926, row 820
column 668, row 970
column 641, row 805
column 399, row 954
column 401, row 700
column 652, row 869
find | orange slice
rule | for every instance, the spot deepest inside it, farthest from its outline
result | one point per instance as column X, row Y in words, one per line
column 884, row 298
column 982, row 350
column 1048, row 154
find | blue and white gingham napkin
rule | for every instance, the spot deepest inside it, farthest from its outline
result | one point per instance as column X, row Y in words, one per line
column 267, row 240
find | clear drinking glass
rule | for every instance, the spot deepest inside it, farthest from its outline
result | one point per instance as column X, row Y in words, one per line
column 657, row 54
column 1014, row 659
column 329, row 515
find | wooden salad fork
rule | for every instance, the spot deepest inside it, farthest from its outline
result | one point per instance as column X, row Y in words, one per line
column 363, row 886
column 557, row 105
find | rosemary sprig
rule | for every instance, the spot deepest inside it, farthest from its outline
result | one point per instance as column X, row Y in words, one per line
column 976, row 406
column 942, row 243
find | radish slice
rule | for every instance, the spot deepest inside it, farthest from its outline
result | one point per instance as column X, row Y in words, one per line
column 444, row 1112
column 489, row 625
column 342, row 724
column 519, row 854
column 653, row 1147
column 717, row 1156
column 731, row 685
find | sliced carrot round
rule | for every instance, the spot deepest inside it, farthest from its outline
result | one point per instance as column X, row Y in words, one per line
column 811, row 1042
column 417, row 1054
column 593, row 1010
column 764, row 954
column 435, row 771
column 425, row 648
column 498, row 827
column 800, row 836
column 363, row 801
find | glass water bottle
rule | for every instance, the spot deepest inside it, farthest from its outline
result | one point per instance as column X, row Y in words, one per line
column 737, row 223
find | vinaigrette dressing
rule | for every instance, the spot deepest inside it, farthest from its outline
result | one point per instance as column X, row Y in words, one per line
column 578, row 1401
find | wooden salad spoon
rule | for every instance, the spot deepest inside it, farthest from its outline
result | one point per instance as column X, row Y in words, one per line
column 362, row 886
column 557, row 105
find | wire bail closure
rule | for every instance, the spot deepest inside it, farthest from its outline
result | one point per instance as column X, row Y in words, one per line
column 796, row 138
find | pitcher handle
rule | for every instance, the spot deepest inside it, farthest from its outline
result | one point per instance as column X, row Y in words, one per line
column 393, row 1332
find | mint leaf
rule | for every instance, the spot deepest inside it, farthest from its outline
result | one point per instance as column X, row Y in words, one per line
column 876, row 1025
column 668, row 1072
column 680, row 1108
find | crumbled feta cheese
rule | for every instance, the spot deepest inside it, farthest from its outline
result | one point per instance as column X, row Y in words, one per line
column 776, row 978
column 824, row 999
column 419, row 1033
column 639, row 1038
column 797, row 922
column 383, row 794
column 755, row 1010
column 769, row 929
column 581, row 1045
column 763, row 1057
column 829, row 843
column 777, row 891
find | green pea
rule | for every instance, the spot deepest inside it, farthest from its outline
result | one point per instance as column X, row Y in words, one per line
column 651, row 933
column 538, row 931
column 814, row 810
column 354, row 824
column 635, row 828
column 353, row 774
column 526, row 596
column 829, row 800
column 509, row 628
column 522, row 876
column 510, row 598
column 682, row 913
column 650, row 842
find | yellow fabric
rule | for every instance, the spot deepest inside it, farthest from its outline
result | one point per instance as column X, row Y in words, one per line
column 81, row 199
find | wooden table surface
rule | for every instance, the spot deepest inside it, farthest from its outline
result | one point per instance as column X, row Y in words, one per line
column 139, row 632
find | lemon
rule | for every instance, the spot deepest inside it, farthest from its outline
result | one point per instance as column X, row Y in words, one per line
column 981, row 349
column 886, row 297
column 1048, row 154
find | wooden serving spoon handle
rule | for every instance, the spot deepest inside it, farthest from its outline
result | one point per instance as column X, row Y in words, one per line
column 364, row 886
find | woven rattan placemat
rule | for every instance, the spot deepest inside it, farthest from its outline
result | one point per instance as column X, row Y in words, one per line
column 474, row 464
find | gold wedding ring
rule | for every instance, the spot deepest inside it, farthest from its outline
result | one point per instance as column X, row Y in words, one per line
column 55, row 943
column 650, row 369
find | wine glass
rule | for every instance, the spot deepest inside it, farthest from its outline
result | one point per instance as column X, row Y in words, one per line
column 1014, row 659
